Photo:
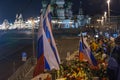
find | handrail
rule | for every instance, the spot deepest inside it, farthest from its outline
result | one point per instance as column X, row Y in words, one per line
column 23, row 70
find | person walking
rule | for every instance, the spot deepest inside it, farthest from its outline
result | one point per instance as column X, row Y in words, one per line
column 113, row 69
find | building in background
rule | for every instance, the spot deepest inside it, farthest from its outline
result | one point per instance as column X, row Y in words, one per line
column 62, row 14
column 62, row 17
column 19, row 23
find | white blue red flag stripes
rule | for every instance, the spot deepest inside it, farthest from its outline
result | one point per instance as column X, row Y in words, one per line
column 48, row 30
column 82, row 55
column 47, row 56
column 86, row 53
column 39, row 68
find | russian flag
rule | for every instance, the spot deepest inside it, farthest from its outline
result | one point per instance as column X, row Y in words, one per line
column 39, row 68
column 48, row 30
column 82, row 55
column 85, row 52
column 47, row 59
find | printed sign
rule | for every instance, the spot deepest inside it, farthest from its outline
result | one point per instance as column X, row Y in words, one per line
column 24, row 56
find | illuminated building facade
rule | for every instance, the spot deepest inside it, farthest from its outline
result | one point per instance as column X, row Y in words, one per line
column 62, row 14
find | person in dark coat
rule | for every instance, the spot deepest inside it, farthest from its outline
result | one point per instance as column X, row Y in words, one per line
column 113, row 69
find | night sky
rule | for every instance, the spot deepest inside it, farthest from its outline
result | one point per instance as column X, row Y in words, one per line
column 31, row 8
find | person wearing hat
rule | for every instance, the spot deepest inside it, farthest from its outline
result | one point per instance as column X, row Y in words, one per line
column 113, row 69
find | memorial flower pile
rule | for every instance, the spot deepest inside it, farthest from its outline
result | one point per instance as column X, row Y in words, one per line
column 77, row 70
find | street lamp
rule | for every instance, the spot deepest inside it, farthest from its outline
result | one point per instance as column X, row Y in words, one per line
column 33, row 26
column 32, row 22
column 105, row 16
column 102, row 20
column 108, row 2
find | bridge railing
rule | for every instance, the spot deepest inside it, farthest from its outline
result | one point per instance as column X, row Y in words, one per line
column 23, row 70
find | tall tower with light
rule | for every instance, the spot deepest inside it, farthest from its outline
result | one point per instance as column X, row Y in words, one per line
column 108, row 3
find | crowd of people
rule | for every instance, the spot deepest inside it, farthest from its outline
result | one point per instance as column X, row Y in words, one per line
column 107, row 54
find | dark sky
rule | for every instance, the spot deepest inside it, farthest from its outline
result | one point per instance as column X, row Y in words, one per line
column 93, row 7
column 31, row 8
column 28, row 8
